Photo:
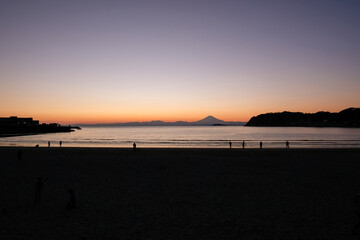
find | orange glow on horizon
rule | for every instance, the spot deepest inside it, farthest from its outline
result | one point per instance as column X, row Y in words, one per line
column 105, row 117
column 64, row 120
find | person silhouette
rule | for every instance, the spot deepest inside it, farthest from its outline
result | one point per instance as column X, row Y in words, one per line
column 230, row 143
column 72, row 203
column 48, row 143
column 19, row 155
column 260, row 145
column 134, row 146
column 287, row 144
column 38, row 190
column 60, row 143
column 243, row 144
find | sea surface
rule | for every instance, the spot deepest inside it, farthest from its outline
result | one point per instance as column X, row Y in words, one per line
column 195, row 136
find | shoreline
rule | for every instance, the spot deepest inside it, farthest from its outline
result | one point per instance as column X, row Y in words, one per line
column 189, row 149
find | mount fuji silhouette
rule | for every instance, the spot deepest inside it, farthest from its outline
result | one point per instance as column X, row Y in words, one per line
column 208, row 121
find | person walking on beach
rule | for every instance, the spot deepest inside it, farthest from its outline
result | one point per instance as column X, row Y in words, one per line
column 134, row 147
column 243, row 144
column 230, row 143
column 72, row 203
column 260, row 145
column 287, row 144
column 60, row 143
column 38, row 190
column 48, row 143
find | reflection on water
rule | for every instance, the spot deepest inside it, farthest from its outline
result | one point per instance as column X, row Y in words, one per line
column 211, row 137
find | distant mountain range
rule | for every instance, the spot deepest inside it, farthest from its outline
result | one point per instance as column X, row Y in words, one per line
column 349, row 117
column 208, row 121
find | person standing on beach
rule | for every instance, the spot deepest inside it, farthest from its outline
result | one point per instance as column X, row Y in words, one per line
column 230, row 143
column 260, row 145
column 48, row 143
column 134, row 147
column 60, row 143
column 72, row 203
column 287, row 144
column 38, row 190
column 243, row 144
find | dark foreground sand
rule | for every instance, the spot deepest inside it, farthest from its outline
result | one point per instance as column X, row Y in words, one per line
column 180, row 193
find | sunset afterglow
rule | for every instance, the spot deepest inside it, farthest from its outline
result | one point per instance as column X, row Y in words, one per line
column 116, row 61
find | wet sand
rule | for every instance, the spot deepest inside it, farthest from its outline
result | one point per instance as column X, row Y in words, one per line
column 180, row 193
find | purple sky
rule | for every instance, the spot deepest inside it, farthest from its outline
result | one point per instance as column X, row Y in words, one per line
column 107, row 61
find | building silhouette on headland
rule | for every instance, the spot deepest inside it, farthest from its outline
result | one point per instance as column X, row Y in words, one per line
column 14, row 125
column 15, row 121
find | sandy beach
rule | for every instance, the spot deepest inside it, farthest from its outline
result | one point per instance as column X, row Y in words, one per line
column 179, row 193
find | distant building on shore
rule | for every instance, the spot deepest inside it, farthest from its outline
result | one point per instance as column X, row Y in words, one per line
column 15, row 121
column 17, row 126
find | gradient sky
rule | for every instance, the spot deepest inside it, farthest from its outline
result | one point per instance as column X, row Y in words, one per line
column 118, row 61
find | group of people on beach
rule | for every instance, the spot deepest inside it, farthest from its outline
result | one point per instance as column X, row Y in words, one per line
column 40, row 184
column 38, row 189
column 243, row 144
column 49, row 143
column 287, row 144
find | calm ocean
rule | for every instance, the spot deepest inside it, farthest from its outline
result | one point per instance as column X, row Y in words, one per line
column 202, row 137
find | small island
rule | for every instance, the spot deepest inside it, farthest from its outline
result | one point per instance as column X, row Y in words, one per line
column 349, row 117
column 14, row 126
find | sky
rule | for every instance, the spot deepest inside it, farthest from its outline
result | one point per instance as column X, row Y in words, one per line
column 119, row 61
